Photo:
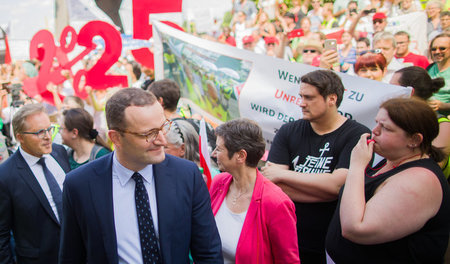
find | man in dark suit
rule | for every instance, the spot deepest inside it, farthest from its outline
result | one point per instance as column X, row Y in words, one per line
column 137, row 205
column 31, row 190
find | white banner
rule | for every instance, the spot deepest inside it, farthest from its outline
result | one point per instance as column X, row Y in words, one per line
column 416, row 25
column 226, row 83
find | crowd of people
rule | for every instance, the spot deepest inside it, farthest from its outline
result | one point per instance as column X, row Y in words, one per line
column 297, row 32
column 117, row 177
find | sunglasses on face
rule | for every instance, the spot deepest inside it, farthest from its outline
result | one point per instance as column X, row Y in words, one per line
column 438, row 48
column 378, row 21
column 309, row 51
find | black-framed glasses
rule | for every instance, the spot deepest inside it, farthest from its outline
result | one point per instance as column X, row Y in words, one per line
column 375, row 51
column 152, row 134
column 42, row 132
column 438, row 48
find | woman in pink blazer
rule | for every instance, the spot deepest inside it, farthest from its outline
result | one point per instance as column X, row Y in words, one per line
column 255, row 218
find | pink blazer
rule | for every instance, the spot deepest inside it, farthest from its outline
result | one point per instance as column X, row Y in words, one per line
column 269, row 233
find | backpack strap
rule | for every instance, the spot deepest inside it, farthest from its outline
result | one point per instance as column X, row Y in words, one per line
column 94, row 152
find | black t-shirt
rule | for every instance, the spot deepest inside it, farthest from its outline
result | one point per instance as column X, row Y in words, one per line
column 297, row 145
column 428, row 245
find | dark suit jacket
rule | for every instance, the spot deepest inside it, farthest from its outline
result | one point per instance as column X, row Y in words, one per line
column 184, row 214
column 25, row 210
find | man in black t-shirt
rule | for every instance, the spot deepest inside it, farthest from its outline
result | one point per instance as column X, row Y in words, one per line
column 309, row 159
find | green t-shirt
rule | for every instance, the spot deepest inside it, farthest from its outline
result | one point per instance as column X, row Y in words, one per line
column 443, row 94
column 73, row 164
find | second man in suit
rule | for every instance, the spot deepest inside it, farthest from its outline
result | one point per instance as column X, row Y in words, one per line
column 138, row 205
column 31, row 190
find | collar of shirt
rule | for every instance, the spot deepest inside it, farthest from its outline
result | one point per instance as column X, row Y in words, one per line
column 30, row 159
column 124, row 174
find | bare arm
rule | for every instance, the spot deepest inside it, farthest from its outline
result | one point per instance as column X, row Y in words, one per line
column 443, row 140
column 279, row 49
column 437, row 105
column 3, row 94
column 306, row 187
column 352, row 28
column 97, row 106
column 399, row 207
column 52, row 88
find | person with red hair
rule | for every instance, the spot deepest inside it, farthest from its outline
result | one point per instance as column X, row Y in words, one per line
column 371, row 65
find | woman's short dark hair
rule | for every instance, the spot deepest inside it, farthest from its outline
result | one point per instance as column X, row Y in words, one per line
column 243, row 134
column 415, row 116
column 420, row 80
column 326, row 82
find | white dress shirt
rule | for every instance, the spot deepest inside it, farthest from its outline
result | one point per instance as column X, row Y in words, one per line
column 125, row 218
column 38, row 172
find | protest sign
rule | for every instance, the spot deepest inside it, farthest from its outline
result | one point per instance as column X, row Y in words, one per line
column 54, row 59
column 223, row 82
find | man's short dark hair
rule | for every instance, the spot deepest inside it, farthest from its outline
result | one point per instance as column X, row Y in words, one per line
column 169, row 91
column 365, row 40
column 402, row 33
column 327, row 82
column 243, row 134
column 136, row 69
column 116, row 105
column 444, row 13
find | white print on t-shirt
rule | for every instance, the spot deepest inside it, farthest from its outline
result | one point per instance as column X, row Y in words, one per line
column 314, row 164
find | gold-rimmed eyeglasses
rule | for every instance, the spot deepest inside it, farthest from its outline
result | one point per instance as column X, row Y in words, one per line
column 152, row 134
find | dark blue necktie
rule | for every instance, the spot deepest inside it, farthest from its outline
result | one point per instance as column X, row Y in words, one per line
column 54, row 187
column 149, row 242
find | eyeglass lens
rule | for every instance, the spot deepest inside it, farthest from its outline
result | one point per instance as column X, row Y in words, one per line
column 440, row 48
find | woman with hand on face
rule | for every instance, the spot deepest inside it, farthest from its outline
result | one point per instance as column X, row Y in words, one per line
column 399, row 210
column 77, row 132
column 371, row 66
column 255, row 218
